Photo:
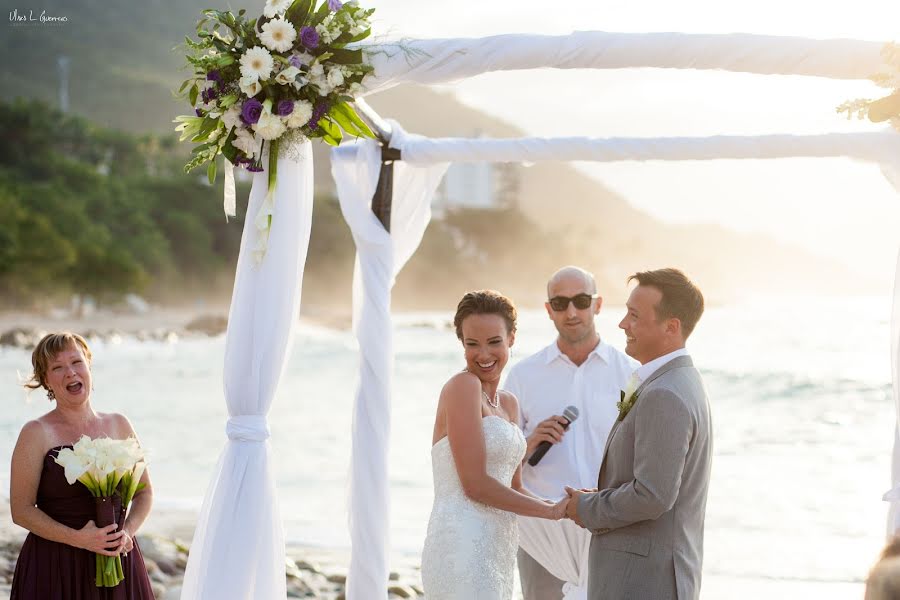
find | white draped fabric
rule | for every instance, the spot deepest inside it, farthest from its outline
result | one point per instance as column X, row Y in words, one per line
column 238, row 548
column 562, row 548
column 431, row 61
column 875, row 147
column 379, row 258
column 893, row 495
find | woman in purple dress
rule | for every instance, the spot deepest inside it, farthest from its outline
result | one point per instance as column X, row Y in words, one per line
column 57, row 559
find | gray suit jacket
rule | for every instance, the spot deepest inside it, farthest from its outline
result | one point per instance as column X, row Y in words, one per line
column 647, row 518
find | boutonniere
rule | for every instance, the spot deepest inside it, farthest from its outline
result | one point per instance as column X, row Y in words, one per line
column 627, row 399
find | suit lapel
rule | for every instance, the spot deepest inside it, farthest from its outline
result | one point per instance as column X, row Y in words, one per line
column 680, row 361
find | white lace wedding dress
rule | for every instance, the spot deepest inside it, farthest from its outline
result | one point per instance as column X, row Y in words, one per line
column 470, row 548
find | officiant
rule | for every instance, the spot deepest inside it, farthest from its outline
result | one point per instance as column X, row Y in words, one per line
column 577, row 369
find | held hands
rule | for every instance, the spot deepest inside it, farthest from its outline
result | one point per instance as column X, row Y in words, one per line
column 549, row 430
column 101, row 540
column 558, row 510
column 572, row 509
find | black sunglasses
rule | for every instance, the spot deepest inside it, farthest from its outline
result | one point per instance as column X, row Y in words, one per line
column 581, row 301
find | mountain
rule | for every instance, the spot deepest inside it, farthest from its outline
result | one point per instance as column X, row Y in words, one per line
column 124, row 61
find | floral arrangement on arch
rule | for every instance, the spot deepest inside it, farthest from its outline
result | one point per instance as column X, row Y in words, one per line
column 888, row 107
column 260, row 83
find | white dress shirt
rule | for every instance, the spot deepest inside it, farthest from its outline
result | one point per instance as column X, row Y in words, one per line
column 546, row 383
column 646, row 370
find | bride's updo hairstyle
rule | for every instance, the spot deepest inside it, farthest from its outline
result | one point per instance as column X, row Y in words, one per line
column 47, row 349
column 485, row 302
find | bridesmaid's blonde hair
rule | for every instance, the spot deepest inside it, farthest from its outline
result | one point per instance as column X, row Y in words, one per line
column 47, row 349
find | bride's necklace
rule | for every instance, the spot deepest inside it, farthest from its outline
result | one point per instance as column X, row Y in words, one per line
column 495, row 402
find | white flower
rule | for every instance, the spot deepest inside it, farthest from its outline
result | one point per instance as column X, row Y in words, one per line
column 301, row 58
column 246, row 142
column 278, row 35
column 287, row 76
column 325, row 88
column 324, row 34
column 357, row 29
column 269, row 126
column 335, row 77
column 231, row 118
column 317, row 71
column 276, row 7
column 257, row 62
column 75, row 466
column 355, row 89
column 250, row 86
column 301, row 114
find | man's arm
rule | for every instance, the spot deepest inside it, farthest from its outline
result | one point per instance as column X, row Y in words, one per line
column 663, row 430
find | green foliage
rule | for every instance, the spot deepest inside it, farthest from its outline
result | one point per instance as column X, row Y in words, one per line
column 99, row 212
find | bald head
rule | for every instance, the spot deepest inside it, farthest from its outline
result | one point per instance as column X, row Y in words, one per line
column 572, row 274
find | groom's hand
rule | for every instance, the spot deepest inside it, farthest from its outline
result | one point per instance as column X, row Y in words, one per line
column 549, row 430
column 572, row 507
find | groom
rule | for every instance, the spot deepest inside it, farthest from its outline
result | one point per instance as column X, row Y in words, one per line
column 647, row 516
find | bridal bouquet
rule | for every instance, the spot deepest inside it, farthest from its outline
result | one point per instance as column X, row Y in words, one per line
column 284, row 77
column 111, row 470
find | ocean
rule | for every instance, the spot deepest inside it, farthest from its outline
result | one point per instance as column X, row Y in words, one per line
column 802, row 411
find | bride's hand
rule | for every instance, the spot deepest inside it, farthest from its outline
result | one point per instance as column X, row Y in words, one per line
column 558, row 510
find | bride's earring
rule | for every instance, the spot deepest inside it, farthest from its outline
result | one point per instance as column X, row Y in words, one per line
column 51, row 396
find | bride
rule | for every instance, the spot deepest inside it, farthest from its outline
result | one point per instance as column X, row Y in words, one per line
column 470, row 548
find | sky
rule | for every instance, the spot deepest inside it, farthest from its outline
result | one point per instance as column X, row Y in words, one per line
column 834, row 207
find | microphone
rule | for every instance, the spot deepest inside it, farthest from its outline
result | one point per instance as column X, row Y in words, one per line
column 570, row 414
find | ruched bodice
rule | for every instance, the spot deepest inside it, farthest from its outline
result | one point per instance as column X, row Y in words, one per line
column 470, row 549
column 53, row 571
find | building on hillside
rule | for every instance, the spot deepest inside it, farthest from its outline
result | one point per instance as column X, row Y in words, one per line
column 477, row 185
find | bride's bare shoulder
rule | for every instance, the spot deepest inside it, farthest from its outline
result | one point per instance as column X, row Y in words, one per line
column 461, row 383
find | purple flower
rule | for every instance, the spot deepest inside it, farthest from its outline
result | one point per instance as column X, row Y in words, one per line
column 296, row 61
column 255, row 167
column 285, row 107
column 199, row 112
column 250, row 111
column 309, row 37
column 318, row 112
column 209, row 94
column 214, row 76
column 335, row 5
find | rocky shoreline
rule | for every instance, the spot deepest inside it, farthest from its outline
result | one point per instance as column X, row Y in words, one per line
column 23, row 330
column 310, row 573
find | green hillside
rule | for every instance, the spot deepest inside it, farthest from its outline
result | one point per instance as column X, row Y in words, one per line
column 123, row 57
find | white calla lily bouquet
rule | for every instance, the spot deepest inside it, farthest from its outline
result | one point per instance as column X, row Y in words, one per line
column 107, row 468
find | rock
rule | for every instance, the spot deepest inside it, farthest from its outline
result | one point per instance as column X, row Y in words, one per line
column 163, row 552
column 21, row 337
column 173, row 593
column 159, row 590
column 211, row 325
column 312, row 567
column 297, row 588
column 290, row 569
column 155, row 573
column 167, row 566
column 418, row 589
column 394, row 576
column 337, row 578
column 402, row 591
